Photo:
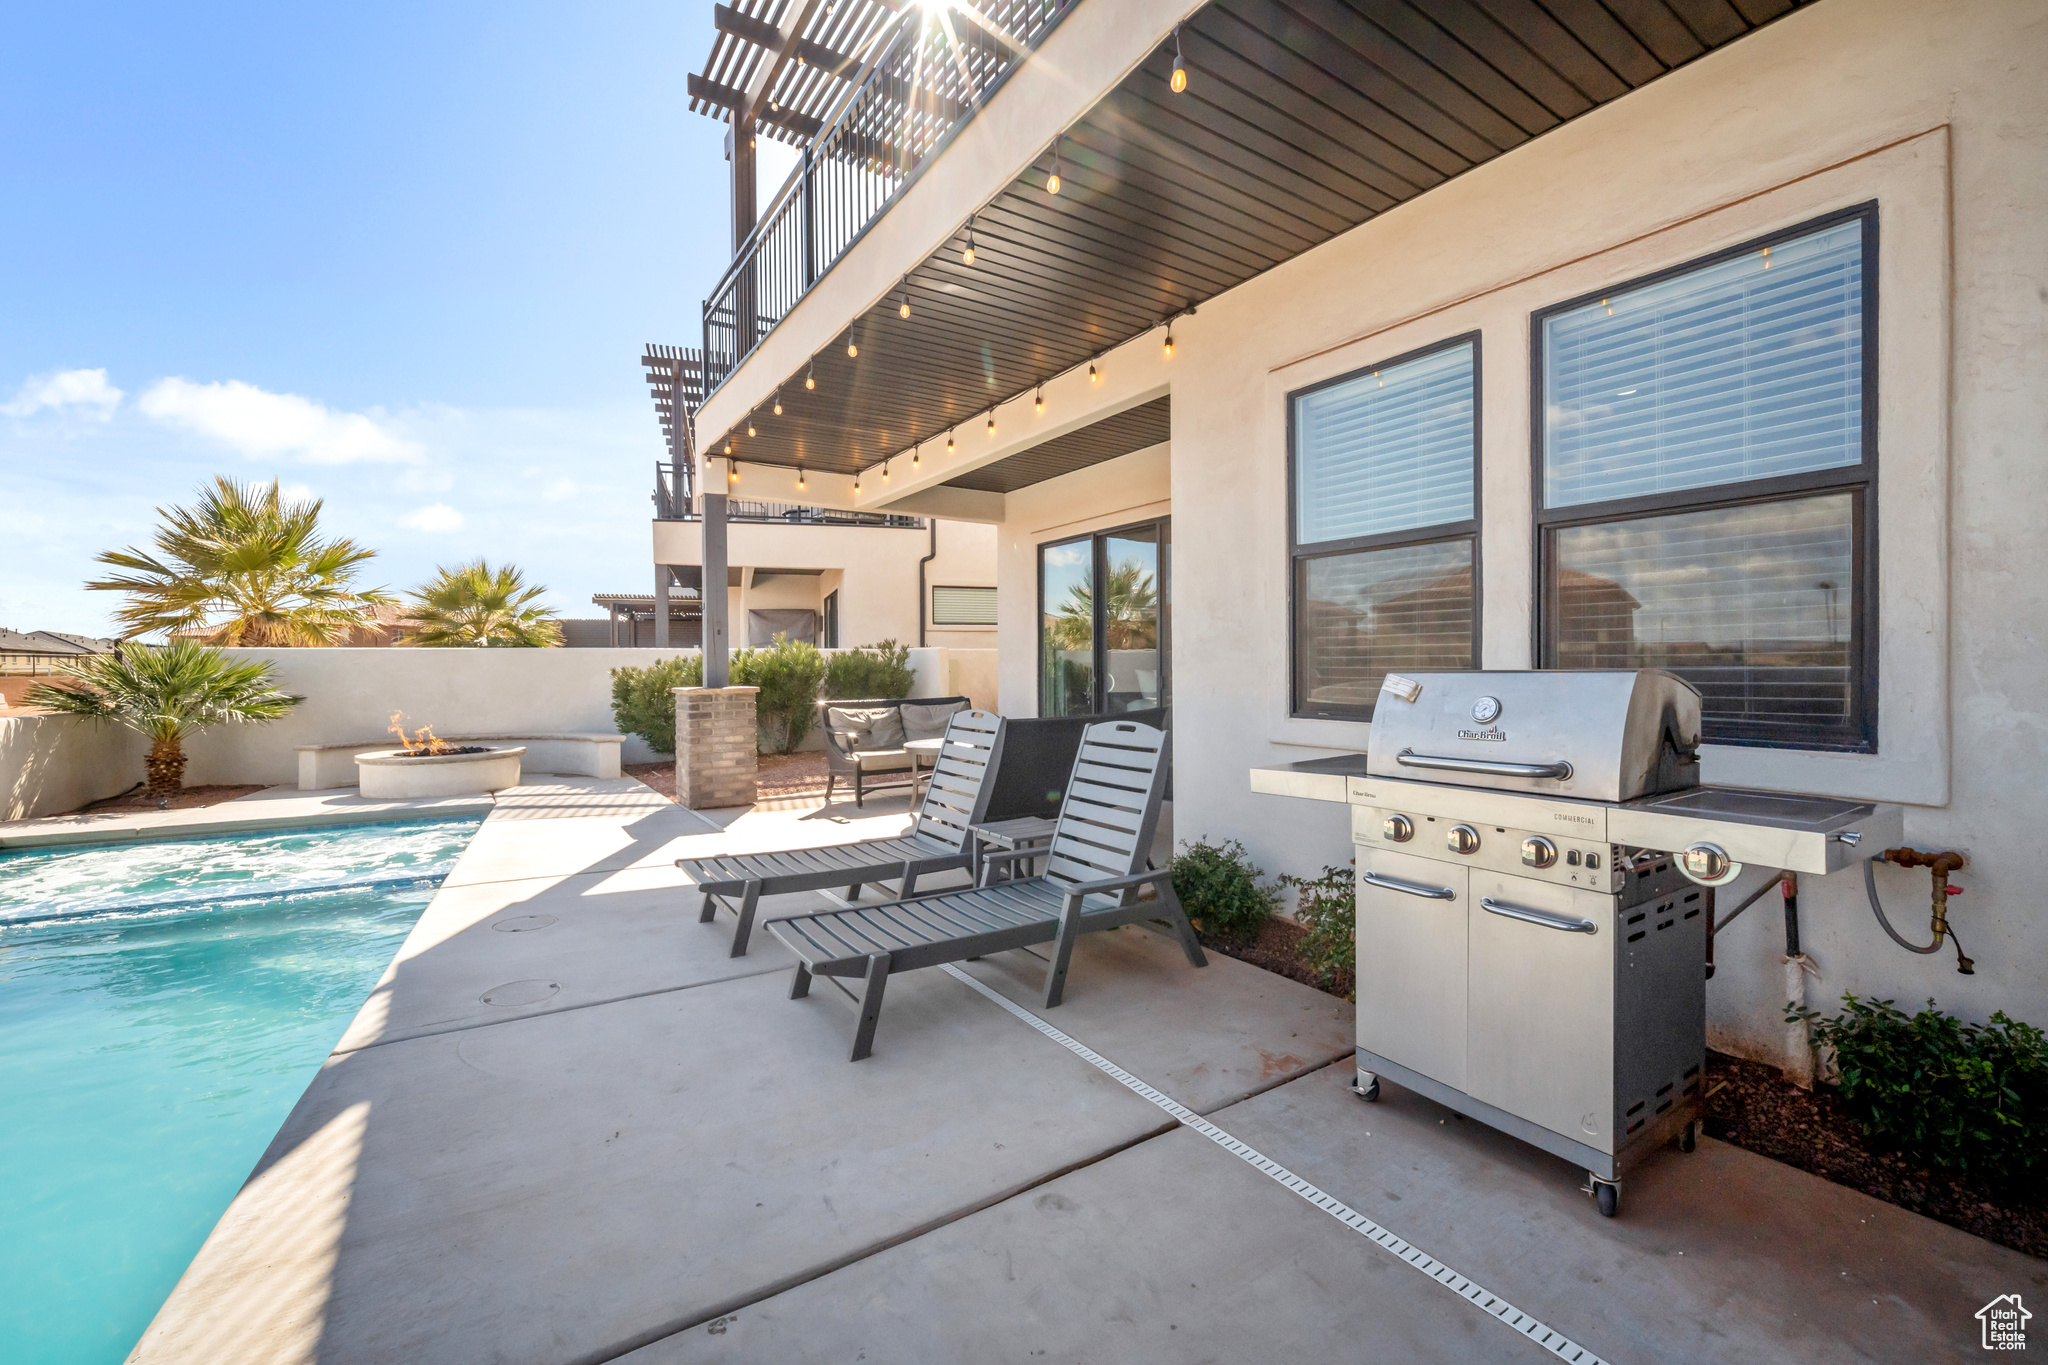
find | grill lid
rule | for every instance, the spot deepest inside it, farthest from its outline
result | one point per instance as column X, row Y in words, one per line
column 1597, row 735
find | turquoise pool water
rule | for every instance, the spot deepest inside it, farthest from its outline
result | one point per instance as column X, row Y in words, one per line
column 162, row 1007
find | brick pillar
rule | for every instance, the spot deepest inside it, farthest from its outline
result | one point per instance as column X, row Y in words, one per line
column 715, row 746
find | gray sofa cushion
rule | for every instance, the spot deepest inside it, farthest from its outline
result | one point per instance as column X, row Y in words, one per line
column 929, row 722
column 866, row 727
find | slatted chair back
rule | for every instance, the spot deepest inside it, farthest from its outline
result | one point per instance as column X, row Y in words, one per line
column 1111, row 808
column 961, row 784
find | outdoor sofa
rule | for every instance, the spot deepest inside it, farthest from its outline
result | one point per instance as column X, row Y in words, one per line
column 956, row 798
column 865, row 738
column 1092, row 875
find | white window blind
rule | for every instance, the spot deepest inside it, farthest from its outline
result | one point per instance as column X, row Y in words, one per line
column 1386, row 451
column 1747, row 369
column 963, row 606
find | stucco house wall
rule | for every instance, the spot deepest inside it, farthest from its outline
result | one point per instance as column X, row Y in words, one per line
column 1936, row 112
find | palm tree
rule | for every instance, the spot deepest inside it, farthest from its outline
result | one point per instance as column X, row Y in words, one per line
column 244, row 567
column 474, row 604
column 167, row 693
column 1130, row 615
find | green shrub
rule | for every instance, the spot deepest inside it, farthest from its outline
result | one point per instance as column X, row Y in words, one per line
column 1327, row 907
column 1220, row 890
column 642, row 703
column 788, row 673
column 881, row 670
column 1946, row 1094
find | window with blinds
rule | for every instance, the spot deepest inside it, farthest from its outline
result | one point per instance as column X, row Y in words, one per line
column 1707, row 484
column 963, row 606
column 1385, row 526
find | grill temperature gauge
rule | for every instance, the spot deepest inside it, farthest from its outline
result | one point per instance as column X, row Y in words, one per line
column 1462, row 839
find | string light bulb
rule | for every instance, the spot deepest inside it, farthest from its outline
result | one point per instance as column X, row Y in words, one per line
column 915, row 464
column 949, row 440
column 967, row 256
column 1052, row 183
column 1093, row 377
column 811, row 375
column 1179, row 80
column 991, row 421
column 851, row 349
column 778, row 402
column 728, row 446
column 1038, row 404
column 903, row 309
column 799, row 478
column 856, row 481
column 885, row 471
column 732, row 471
column 1169, row 343
column 750, row 424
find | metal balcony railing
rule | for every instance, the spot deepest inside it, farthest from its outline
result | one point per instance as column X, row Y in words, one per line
column 926, row 80
column 669, row 507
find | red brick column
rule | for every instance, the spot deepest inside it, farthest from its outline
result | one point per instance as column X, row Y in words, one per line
column 715, row 746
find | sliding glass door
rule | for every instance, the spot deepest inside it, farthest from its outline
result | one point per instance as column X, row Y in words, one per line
column 1104, row 652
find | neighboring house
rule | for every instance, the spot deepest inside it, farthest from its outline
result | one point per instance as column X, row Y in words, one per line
column 27, row 657
column 830, row 577
column 1705, row 336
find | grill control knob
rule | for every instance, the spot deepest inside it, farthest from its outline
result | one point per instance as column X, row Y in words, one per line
column 1463, row 839
column 1538, row 851
column 1708, row 865
column 1399, row 829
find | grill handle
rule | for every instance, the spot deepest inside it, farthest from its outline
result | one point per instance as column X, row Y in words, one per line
column 1408, row 758
column 1542, row 917
column 1428, row 893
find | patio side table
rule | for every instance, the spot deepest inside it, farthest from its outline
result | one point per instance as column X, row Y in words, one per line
column 1026, row 831
column 924, row 761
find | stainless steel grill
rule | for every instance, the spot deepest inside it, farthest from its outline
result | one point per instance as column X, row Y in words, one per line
column 1536, row 864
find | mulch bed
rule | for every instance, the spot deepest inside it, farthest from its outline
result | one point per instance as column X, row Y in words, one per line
column 1752, row 1106
column 190, row 798
column 780, row 776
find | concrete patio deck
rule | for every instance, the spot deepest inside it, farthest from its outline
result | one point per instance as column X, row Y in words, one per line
column 568, row 1127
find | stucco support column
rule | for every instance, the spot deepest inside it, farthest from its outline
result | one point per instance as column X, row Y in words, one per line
column 661, row 577
column 715, row 747
column 717, row 636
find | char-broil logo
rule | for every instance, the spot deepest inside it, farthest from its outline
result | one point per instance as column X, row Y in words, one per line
column 2005, row 1323
column 1492, row 732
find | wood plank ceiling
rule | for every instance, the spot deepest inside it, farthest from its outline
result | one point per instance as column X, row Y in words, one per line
column 1301, row 120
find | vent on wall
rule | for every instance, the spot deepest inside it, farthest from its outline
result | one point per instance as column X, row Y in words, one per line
column 963, row 606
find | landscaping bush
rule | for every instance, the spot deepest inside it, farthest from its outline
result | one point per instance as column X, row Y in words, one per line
column 1327, row 908
column 1220, row 890
column 642, row 703
column 881, row 670
column 1952, row 1096
column 788, row 673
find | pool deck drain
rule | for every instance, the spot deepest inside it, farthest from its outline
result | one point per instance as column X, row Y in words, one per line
column 667, row 1160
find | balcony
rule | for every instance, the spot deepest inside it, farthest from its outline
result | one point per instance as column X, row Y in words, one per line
column 869, row 120
column 668, row 507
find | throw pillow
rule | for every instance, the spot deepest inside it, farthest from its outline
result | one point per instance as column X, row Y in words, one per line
column 886, row 730
column 929, row 722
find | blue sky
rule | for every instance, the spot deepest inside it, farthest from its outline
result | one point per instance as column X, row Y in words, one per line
column 403, row 257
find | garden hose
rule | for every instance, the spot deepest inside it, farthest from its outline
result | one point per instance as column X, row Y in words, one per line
column 1941, row 927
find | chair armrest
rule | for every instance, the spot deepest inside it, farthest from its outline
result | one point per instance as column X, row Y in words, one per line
column 1011, row 855
column 1080, row 889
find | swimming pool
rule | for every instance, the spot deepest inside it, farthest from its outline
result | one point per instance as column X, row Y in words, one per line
column 162, row 1007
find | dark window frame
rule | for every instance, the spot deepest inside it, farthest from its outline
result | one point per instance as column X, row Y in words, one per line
column 1858, row 480
column 828, row 620
column 1300, row 553
column 1098, row 574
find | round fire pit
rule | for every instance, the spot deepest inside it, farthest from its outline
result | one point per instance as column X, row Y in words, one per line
column 395, row 775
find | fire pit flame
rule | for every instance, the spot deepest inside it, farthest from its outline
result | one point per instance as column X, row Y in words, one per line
column 424, row 742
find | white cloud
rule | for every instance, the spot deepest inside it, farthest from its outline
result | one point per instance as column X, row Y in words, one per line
column 435, row 516
column 263, row 424
column 83, row 391
column 560, row 490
